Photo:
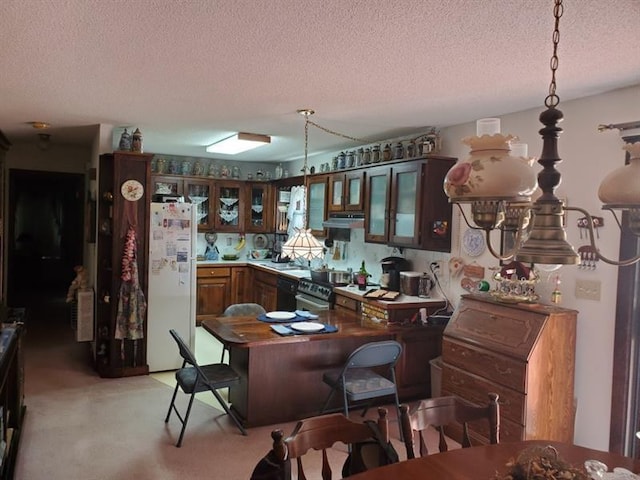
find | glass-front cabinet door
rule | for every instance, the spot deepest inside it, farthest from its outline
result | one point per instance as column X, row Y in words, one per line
column 167, row 185
column 259, row 208
column 229, row 206
column 336, row 192
column 375, row 210
column 354, row 191
column 316, row 202
column 404, row 208
column 198, row 192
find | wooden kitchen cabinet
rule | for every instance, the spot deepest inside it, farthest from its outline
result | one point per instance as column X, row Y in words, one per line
column 317, row 203
column 213, row 291
column 260, row 211
column 420, row 345
column 346, row 191
column 265, row 290
column 406, row 205
column 376, row 207
column 523, row 352
column 240, row 285
column 345, row 303
column 229, row 206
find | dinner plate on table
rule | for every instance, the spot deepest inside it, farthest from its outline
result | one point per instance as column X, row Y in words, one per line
column 281, row 315
column 307, row 327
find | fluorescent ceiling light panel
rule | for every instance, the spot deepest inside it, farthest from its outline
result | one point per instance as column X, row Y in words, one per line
column 240, row 142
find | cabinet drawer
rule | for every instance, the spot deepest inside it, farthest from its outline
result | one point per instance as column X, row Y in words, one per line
column 214, row 271
column 476, row 389
column 497, row 368
column 346, row 302
column 507, row 330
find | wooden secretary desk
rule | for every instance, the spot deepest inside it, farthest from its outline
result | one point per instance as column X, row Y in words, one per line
column 523, row 352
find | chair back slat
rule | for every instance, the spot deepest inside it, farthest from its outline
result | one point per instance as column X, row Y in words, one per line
column 442, row 411
column 318, row 433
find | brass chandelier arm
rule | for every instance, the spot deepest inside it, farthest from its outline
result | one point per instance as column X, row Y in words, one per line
column 518, row 240
column 592, row 241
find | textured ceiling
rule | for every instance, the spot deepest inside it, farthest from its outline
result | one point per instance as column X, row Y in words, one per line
column 190, row 72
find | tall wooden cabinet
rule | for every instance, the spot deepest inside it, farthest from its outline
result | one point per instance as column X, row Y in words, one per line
column 523, row 352
column 114, row 357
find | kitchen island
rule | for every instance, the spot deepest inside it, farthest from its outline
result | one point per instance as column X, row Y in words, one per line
column 281, row 376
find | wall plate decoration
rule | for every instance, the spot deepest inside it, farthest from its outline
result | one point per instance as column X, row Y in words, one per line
column 132, row 190
column 473, row 242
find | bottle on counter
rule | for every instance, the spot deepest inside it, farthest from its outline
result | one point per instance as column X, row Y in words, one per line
column 362, row 277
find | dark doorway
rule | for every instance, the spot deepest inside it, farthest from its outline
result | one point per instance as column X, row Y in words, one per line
column 45, row 237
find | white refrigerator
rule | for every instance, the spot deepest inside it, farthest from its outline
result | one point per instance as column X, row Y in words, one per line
column 171, row 301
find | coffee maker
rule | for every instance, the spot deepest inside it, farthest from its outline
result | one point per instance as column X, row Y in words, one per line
column 391, row 268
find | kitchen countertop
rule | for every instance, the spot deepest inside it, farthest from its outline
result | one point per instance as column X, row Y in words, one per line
column 403, row 301
column 288, row 270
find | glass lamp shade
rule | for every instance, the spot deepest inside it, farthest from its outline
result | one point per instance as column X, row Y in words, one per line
column 303, row 245
column 621, row 188
column 491, row 173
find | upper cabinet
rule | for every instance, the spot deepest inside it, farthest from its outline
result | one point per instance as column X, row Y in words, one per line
column 223, row 205
column 260, row 207
column 316, row 203
column 346, row 191
column 406, row 206
column 376, row 217
column 229, row 206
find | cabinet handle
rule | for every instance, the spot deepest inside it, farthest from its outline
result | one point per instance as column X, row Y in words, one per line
column 493, row 317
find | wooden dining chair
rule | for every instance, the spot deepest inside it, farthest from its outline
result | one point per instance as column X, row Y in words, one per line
column 369, row 441
column 439, row 412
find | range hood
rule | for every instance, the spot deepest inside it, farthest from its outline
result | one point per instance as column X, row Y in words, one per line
column 347, row 220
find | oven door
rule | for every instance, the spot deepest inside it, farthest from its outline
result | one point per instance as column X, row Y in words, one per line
column 307, row 302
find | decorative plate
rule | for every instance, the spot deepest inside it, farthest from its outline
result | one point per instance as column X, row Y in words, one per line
column 307, row 326
column 281, row 315
column 132, row 190
column 260, row 241
column 473, row 242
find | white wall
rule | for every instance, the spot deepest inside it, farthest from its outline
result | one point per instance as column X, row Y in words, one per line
column 587, row 155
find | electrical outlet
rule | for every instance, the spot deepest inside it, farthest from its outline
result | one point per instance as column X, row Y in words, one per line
column 588, row 289
column 435, row 268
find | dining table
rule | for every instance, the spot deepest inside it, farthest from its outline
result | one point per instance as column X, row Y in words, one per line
column 487, row 461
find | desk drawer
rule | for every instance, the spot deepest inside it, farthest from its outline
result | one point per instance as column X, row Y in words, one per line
column 497, row 368
column 476, row 389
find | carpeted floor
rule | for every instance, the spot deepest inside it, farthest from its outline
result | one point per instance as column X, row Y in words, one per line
column 80, row 426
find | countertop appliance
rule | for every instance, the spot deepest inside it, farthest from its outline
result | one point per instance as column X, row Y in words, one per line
column 391, row 268
column 172, row 283
column 314, row 296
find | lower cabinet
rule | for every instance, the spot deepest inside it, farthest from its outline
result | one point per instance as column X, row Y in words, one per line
column 213, row 292
column 420, row 345
column 265, row 290
column 344, row 303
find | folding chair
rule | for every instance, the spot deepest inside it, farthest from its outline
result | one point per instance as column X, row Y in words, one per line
column 193, row 378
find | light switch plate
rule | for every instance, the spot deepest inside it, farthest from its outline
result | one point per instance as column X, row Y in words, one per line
column 588, row 289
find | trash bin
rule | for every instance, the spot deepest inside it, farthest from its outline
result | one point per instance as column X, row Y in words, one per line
column 436, row 376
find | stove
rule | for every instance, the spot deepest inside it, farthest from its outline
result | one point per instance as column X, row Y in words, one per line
column 314, row 296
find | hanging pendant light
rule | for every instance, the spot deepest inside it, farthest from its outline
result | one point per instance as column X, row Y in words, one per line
column 302, row 243
column 499, row 189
